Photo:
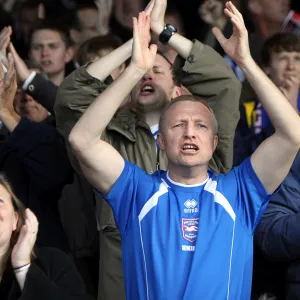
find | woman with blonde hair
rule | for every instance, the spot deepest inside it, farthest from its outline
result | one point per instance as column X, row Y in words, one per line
column 46, row 274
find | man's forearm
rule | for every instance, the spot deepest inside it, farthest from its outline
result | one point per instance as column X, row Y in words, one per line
column 179, row 43
column 105, row 65
column 282, row 115
column 93, row 122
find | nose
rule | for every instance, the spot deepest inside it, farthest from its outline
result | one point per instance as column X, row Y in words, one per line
column 148, row 75
column 45, row 51
column 190, row 131
column 291, row 64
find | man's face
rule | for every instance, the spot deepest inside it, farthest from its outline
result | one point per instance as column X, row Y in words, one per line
column 156, row 88
column 48, row 51
column 88, row 18
column 26, row 106
column 274, row 11
column 282, row 66
column 188, row 135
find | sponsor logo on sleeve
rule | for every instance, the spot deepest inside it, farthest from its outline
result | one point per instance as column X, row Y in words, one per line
column 191, row 206
column 190, row 229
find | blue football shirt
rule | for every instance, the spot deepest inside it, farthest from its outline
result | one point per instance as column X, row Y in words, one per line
column 187, row 242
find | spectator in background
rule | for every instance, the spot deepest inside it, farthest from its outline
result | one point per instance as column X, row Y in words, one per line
column 26, row 15
column 34, row 159
column 278, row 236
column 281, row 62
column 267, row 16
column 51, row 49
column 24, row 274
column 91, row 20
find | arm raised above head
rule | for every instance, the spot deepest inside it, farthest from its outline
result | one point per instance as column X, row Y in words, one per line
column 273, row 158
column 101, row 163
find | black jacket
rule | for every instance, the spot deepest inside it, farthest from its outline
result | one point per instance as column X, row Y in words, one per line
column 43, row 91
column 51, row 276
column 278, row 233
column 34, row 159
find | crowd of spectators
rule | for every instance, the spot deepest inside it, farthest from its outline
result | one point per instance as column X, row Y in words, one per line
column 58, row 236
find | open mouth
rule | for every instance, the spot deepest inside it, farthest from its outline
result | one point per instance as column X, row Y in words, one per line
column 189, row 148
column 147, row 90
column 46, row 63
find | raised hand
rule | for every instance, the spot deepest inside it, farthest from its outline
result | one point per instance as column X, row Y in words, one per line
column 212, row 13
column 22, row 70
column 143, row 56
column 21, row 254
column 8, row 86
column 148, row 9
column 237, row 46
column 158, row 15
column 5, row 35
column 104, row 14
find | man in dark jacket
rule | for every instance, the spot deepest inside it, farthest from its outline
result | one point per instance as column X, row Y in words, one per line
column 35, row 161
column 278, row 234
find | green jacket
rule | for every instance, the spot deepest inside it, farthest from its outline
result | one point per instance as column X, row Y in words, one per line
column 204, row 73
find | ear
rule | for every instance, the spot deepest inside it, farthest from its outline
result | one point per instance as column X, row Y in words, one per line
column 176, row 92
column 255, row 7
column 69, row 54
column 216, row 140
column 267, row 70
column 161, row 142
column 16, row 220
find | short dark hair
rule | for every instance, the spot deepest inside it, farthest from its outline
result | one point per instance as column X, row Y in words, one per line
column 279, row 42
column 94, row 45
column 53, row 25
column 192, row 98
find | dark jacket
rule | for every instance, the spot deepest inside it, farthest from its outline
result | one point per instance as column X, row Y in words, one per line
column 51, row 276
column 278, row 234
column 43, row 91
column 35, row 161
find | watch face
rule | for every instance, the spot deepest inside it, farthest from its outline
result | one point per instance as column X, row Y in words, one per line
column 171, row 28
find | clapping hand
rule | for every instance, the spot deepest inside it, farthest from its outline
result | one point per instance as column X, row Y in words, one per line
column 8, row 86
column 5, row 35
column 237, row 46
column 104, row 14
column 21, row 254
column 143, row 56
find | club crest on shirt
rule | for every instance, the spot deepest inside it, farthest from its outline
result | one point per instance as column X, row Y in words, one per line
column 190, row 229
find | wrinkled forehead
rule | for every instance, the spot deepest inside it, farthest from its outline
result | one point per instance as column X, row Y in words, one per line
column 188, row 110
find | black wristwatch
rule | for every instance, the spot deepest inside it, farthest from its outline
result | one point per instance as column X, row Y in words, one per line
column 167, row 33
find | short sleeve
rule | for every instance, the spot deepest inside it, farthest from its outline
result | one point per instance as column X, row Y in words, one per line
column 129, row 194
column 246, row 192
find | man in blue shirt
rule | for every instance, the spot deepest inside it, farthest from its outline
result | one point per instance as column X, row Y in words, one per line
column 187, row 233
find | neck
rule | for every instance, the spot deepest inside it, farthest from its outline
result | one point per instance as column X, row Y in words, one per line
column 57, row 78
column 266, row 28
column 188, row 175
column 151, row 118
